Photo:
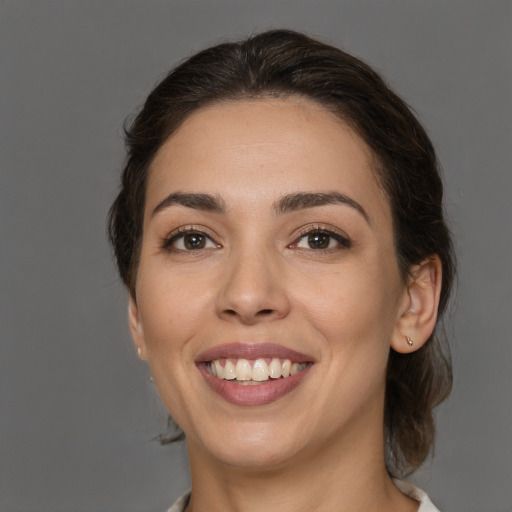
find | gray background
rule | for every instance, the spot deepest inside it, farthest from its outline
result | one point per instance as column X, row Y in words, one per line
column 78, row 413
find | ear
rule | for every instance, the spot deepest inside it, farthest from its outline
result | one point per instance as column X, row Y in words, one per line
column 136, row 328
column 418, row 311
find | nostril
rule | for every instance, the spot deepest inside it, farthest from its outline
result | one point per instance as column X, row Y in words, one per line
column 250, row 315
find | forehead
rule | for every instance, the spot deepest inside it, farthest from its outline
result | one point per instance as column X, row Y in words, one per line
column 260, row 148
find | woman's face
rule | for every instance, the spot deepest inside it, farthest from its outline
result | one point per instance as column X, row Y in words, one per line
column 268, row 243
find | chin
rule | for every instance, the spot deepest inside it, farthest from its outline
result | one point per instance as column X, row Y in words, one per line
column 251, row 448
column 255, row 457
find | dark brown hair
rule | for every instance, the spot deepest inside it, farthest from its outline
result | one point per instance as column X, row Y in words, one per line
column 282, row 63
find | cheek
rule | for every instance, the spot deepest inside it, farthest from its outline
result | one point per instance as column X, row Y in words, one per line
column 351, row 304
column 172, row 307
column 172, row 313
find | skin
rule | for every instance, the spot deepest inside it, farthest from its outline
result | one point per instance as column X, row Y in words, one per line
column 257, row 279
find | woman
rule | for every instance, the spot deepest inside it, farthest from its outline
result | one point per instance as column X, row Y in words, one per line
column 280, row 231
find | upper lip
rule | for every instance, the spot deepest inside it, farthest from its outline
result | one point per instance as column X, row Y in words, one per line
column 252, row 351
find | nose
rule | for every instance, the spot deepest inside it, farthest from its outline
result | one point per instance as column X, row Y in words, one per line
column 253, row 290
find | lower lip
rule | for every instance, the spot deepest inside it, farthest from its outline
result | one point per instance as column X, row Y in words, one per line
column 257, row 394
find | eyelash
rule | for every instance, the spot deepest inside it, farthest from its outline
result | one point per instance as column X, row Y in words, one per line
column 343, row 241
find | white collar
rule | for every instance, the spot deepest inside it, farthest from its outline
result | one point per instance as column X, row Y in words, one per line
column 407, row 488
column 417, row 494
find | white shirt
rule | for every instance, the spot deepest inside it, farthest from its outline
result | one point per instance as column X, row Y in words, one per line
column 416, row 494
column 407, row 488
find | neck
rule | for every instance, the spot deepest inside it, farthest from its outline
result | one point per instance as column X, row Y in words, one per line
column 346, row 476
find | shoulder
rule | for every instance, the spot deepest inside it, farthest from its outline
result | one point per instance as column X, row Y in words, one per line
column 416, row 494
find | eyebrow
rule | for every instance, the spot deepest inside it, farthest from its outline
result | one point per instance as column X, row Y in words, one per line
column 204, row 202
column 288, row 203
column 303, row 200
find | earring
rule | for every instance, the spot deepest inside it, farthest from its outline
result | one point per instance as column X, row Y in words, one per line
column 410, row 342
column 139, row 351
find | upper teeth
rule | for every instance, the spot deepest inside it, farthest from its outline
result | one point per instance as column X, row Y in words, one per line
column 258, row 370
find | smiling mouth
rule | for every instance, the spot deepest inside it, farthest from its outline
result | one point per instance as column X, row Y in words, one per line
column 255, row 371
column 253, row 374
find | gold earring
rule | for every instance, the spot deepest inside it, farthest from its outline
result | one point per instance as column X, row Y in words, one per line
column 410, row 342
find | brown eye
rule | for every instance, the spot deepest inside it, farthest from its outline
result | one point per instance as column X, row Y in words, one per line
column 194, row 241
column 189, row 241
column 319, row 240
